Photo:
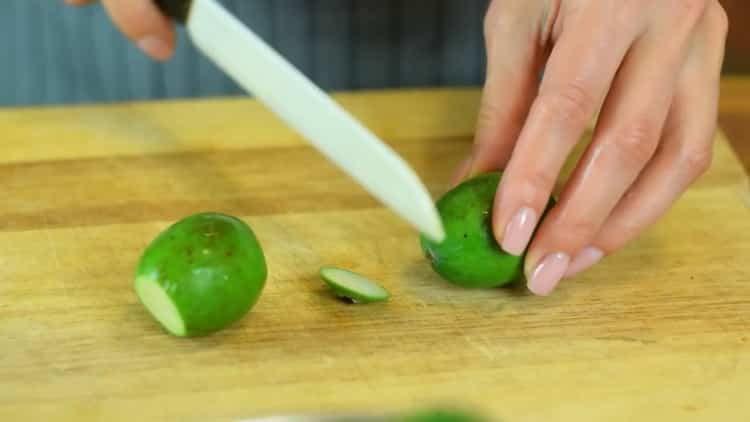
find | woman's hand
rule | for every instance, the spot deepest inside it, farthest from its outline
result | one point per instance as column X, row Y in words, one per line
column 652, row 69
column 142, row 22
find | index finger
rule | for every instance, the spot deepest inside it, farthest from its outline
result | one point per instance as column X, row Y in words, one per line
column 143, row 23
column 581, row 67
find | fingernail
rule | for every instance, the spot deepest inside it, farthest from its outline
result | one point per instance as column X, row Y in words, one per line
column 518, row 231
column 548, row 273
column 585, row 259
column 154, row 47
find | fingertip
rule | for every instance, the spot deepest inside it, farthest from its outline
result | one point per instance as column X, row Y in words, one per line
column 517, row 233
column 143, row 23
column 544, row 277
column 585, row 259
column 155, row 47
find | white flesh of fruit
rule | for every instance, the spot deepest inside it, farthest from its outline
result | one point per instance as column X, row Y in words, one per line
column 352, row 282
column 160, row 305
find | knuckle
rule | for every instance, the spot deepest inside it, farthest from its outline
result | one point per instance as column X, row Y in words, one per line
column 496, row 19
column 617, row 236
column 627, row 10
column 635, row 7
column 637, row 143
column 697, row 160
column 690, row 10
column 579, row 228
column 628, row 230
column 717, row 19
column 533, row 187
column 505, row 19
column 489, row 25
column 538, row 185
column 572, row 103
column 488, row 111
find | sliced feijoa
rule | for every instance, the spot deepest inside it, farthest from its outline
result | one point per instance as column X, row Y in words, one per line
column 201, row 274
column 353, row 286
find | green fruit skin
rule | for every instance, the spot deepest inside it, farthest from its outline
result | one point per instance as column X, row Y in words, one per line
column 441, row 415
column 356, row 297
column 211, row 265
column 470, row 256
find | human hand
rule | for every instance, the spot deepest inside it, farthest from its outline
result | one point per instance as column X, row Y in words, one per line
column 142, row 22
column 652, row 68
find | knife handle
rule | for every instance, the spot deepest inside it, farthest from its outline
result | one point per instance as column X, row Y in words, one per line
column 175, row 9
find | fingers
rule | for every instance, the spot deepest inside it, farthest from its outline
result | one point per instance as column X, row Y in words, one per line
column 512, row 34
column 685, row 152
column 143, row 23
column 626, row 137
column 461, row 171
column 579, row 72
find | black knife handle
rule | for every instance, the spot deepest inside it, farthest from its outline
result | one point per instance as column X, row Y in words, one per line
column 176, row 9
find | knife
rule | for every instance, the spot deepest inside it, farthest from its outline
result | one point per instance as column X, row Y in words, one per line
column 262, row 71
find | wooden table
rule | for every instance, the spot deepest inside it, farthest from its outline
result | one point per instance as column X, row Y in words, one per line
column 660, row 331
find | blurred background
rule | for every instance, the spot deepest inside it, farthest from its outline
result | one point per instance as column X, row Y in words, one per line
column 51, row 53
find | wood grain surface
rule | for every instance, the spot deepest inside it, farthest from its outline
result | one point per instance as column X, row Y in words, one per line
column 659, row 331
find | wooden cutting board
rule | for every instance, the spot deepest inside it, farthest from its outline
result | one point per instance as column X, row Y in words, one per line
column 660, row 331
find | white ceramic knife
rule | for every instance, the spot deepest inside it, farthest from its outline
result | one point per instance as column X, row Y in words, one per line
column 263, row 72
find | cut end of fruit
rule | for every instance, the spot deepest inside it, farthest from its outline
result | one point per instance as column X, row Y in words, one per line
column 353, row 286
column 160, row 305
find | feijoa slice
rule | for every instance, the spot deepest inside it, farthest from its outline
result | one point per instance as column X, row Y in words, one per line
column 353, row 286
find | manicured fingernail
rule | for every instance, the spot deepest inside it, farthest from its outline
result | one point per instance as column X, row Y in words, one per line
column 548, row 273
column 585, row 259
column 154, row 47
column 518, row 231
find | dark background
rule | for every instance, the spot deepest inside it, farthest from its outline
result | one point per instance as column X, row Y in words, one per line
column 53, row 54
column 738, row 45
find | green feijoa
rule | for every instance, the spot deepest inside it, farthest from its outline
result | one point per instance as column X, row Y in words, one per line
column 470, row 256
column 442, row 415
column 201, row 274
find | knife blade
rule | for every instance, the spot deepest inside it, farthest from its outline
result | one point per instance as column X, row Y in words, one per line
column 297, row 101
